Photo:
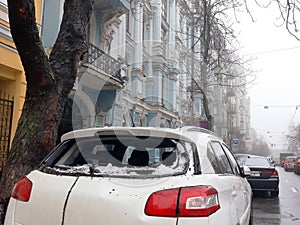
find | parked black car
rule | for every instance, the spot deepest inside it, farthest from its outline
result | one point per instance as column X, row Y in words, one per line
column 263, row 175
column 297, row 165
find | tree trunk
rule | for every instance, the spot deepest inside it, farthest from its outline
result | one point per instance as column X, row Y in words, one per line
column 205, row 38
column 48, row 84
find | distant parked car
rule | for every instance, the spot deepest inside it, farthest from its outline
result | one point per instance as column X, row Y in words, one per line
column 263, row 175
column 297, row 165
column 289, row 163
column 282, row 157
column 138, row 176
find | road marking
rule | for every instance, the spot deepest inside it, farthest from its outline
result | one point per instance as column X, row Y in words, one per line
column 294, row 189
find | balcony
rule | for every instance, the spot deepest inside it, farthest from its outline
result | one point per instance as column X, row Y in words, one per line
column 105, row 65
column 115, row 5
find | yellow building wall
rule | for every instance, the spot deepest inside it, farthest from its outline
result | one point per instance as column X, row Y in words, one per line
column 12, row 76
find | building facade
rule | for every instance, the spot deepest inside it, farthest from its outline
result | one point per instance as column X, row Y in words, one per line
column 142, row 68
column 138, row 67
column 230, row 107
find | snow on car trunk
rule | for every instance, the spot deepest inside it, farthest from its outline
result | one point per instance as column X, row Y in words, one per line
column 113, row 201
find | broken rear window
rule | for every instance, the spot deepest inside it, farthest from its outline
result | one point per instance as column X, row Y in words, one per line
column 126, row 156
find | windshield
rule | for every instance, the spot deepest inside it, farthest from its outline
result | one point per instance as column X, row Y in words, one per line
column 121, row 156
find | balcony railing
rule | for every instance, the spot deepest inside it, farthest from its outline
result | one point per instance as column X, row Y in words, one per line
column 102, row 62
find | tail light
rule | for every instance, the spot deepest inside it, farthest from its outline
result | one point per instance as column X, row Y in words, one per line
column 275, row 174
column 22, row 190
column 298, row 161
column 198, row 201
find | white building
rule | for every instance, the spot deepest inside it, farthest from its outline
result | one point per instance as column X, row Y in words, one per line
column 138, row 65
column 140, row 69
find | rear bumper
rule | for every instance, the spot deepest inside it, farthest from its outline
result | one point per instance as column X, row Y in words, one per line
column 289, row 168
column 270, row 184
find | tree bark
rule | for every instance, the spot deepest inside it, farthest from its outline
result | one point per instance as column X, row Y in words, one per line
column 48, row 84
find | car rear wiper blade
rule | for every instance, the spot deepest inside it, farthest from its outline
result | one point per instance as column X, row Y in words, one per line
column 63, row 167
column 86, row 169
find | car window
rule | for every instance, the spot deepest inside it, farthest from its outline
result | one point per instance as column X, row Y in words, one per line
column 122, row 156
column 213, row 161
column 232, row 160
column 257, row 161
column 241, row 158
column 221, row 157
column 194, row 158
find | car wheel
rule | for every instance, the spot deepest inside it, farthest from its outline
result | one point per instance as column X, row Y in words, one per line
column 275, row 193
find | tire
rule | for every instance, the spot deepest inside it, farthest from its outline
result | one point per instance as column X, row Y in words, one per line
column 275, row 193
column 251, row 219
column 251, row 213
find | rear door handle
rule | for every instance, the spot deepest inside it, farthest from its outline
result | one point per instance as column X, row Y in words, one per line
column 234, row 194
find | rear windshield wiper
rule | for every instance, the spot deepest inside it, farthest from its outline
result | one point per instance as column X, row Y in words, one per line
column 86, row 169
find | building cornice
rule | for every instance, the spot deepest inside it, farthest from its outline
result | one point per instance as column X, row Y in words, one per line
column 8, row 47
column 5, row 32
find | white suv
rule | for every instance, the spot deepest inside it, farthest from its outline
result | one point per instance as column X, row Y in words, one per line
column 137, row 176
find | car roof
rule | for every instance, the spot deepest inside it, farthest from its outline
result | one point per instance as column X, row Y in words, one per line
column 198, row 130
column 291, row 157
column 133, row 131
column 190, row 133
column 249, row 155
column 242, row 154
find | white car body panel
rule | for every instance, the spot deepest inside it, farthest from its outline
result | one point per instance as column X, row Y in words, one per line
column 46, row 201
column 114, row 201
column 10, row 214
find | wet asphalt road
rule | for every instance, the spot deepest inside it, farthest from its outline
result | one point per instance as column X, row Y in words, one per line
column 284, row 210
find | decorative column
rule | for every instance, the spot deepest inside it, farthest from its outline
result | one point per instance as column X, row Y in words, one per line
column 137, row 63
column 149, row 79
column 137, row 12
column 122, row 39
column 157, row 21
column 172, row 33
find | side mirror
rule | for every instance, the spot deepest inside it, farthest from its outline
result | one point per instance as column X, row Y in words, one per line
column 246, row 171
